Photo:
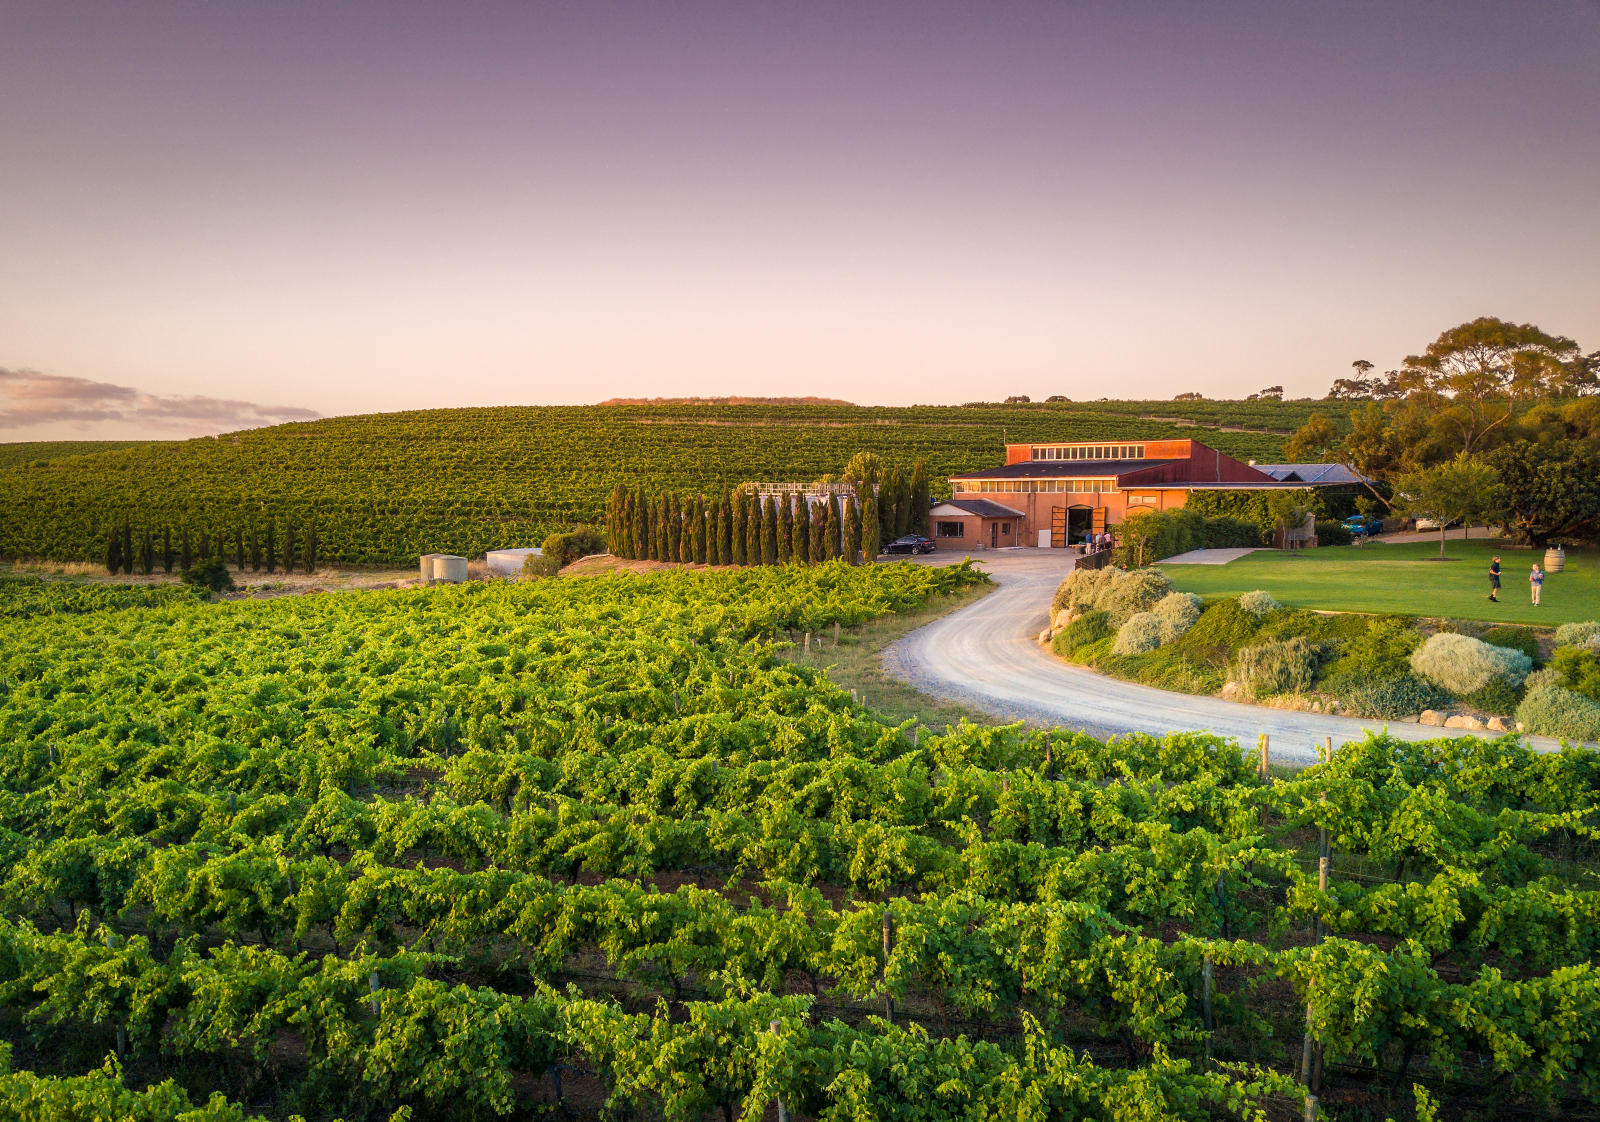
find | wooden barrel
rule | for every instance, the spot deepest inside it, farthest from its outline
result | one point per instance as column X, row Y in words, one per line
column 1554, row 560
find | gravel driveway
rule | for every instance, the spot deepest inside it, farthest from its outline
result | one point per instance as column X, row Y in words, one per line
column 987, row 655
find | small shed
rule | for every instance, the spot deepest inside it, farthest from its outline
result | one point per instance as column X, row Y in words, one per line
column 508, row 562
column 971, row 524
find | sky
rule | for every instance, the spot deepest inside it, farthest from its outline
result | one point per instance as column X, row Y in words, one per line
column 216, row 215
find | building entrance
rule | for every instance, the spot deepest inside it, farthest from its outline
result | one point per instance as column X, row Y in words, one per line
column 1080, row 523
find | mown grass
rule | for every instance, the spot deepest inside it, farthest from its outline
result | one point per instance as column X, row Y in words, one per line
column 855, row 663
column 1407, row 579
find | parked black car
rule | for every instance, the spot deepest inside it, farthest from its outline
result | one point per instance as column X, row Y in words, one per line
column 911, row 543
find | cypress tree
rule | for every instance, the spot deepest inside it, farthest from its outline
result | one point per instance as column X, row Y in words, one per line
column 769, row 531
column 624, row 546
column 641, row 525
column 740, row 529
column 698, row 506
column 255, row 550
column 902, row 505
column 802, row 530
column 852, row 530
column 288, row 545
column 871, row 529
column 114, row 550
column 884, row 500
column 238, row 548
column 186, row 554
column 205, row 545
column 752, row 530
column 831, row 543
column 272, row 547
column 147, row 552
column 615, row 508
column 166, row 548
column 714, row 533
column 819, row 532
column 311, row 547
column 725, row 534
column 786, row 530
column 127, row 546
column 919, row 499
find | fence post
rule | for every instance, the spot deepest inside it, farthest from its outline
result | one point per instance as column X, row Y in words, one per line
column 888, row 948
column 836, row 633
column 783, row 1115
column 1311, row 1108
column 1205, row 1000
column 372, row 988
column 122, row 1030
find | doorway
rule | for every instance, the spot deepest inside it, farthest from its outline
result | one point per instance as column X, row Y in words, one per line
column 994, row 535
column 1080, row 523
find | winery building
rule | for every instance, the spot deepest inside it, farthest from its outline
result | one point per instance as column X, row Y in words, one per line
column 1058, row 494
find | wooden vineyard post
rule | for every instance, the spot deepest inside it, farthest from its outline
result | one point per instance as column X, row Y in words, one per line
column 1262, row 771
column 808, row 643
column 122, row 1030
column 1311, row 1108
column 888, row 948
column 836, row 633
column 783, row 1115
column 1311, row 1052
column 1206, row 977
column 372, row 988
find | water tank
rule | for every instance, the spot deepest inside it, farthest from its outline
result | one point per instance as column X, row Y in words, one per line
column 427, row 566
column 450, row 568
column 508, row 562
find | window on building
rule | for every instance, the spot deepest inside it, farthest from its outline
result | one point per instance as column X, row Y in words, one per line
column 950, row 530
column 1005, row 527
column 1143, row 500
column 1089, row 452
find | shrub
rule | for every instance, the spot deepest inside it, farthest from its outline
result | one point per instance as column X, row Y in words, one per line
column 535, row 566
column 1177, row 613
column 1540, row 678
column 1286, row 666
column 1141, row 634
column 1579, row 668
column 1224, row 625
column 1463, row 665
column 1393, row 699
column 1082, row 631
column 1381, row 652
column 212, row 574
column 1332, row 533
column 1514, row 638
column 580, row 541
column 1258, row 603
column 1577, row 634
column 1118, row 593
column 1554, row 711
column 1498, row 697
column 1230, row 533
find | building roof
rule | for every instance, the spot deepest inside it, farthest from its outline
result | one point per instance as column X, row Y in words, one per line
column 983, row 508
column 1316, row 474
column 1062, row 469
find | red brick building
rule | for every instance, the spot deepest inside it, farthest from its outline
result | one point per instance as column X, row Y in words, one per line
column 1071, row 489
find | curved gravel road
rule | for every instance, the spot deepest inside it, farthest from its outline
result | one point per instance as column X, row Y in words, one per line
column 987, row 655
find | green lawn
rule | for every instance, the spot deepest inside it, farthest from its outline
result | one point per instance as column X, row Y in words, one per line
column 1401, row 578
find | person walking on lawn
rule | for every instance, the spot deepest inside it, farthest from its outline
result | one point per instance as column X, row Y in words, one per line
column 1494, row 580
column 1535, row 582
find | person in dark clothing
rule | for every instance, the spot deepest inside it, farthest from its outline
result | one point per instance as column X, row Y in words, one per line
column 1494, row 580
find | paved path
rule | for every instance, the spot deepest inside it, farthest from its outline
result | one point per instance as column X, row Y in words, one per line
column 987, row 655
column 1206, row 557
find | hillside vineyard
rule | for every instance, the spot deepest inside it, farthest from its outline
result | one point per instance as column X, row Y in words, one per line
column 478, row 851
column 385, row 488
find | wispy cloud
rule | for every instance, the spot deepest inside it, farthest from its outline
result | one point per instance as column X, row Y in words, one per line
column 29, row 398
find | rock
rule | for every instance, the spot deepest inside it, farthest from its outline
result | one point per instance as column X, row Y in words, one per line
column 1521, row 727
column 1460, row 722
column 1429, row 717
column 1232, row 691
column 1497, row 724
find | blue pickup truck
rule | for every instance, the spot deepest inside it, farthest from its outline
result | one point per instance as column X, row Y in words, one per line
column 1362, row 525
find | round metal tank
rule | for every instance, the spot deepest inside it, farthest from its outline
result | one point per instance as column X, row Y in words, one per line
column 448, row 567
column 426, row 565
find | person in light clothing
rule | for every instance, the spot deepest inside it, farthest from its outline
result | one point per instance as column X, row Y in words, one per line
column 1535, row 582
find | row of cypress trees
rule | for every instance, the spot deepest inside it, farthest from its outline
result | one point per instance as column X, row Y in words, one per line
column 739, row 528
column 257, row 546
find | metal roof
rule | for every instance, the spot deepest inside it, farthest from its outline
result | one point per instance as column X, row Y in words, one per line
column 983, row 508
column 1320, row 475
column 1062, row 469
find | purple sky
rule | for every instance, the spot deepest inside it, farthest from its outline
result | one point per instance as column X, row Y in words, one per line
column 359, row 207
